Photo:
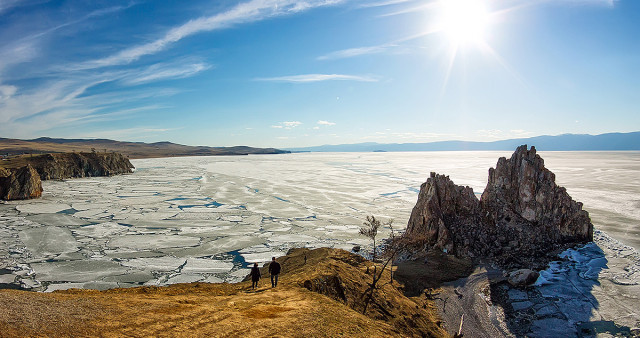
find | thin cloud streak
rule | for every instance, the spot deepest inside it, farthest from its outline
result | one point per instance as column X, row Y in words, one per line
column 326, row 123
column 306, row 78
column 255, row 10
column 384, row 3
column 160, row 72
column 357, row 51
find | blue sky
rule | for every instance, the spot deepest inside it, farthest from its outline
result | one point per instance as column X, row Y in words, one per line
column 287, row 73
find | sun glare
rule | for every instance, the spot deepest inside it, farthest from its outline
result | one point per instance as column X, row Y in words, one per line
column 464, row 21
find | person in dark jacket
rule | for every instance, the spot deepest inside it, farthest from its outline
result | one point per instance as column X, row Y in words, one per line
column 255, row 275
column 274, row 270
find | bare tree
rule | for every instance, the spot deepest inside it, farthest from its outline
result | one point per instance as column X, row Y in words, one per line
column 370, row 230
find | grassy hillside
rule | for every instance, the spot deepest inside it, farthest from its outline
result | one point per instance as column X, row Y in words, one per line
column 322, row 293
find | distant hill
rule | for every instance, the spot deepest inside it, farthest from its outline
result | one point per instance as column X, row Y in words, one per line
column 131, row 149
column 565, row 142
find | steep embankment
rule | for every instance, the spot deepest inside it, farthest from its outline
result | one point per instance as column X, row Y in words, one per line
column 321, row 293
column 21, row 176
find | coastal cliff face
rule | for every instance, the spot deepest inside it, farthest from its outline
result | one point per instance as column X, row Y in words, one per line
column 68, row 165
column 22, row 180
column 20, row 184
column 522, row 218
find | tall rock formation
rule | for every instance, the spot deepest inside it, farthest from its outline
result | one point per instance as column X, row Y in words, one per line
column 522, row 198
column 445, row 214
column 23, row 183
column 521, row 220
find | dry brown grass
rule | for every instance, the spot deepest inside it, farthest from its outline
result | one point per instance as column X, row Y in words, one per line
column 228, row 310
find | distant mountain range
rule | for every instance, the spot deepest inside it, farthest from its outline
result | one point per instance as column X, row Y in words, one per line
column 131, row 149
column 565, row 142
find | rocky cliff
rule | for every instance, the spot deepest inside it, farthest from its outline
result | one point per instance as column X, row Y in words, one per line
column 521, row 220
column 68, row 165
column 21, row 177
column 20, row 184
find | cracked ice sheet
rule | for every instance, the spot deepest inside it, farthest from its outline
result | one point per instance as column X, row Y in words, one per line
column 143, row 242
column 76, row 271
column 164, row 263
column 261, row 257
column 291, row 238
column 57, row 220
column 101, row 230
column 184, row 278
column 203, row 265
column 221, row 245
column 48, row 241
column 42, row 208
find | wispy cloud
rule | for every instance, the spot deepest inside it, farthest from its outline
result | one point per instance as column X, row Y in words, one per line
column 606, row 3
column 351, row 52
column 287, row 125
column 318, row 77
column 383, row 3
column 134, row 134
column 65, row 102
column 163, row 71
column 8, row 4
column 326, row 123
column 251, row 11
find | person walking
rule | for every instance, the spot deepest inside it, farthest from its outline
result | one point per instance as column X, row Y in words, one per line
column 255, row 275
column 274, row 270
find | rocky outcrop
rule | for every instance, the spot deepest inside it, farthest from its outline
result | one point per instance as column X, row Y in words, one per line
column 522, row 219
column 20, row 184
column 444, row 215
column 68, row 165
column 522, row 196
column 24, row 181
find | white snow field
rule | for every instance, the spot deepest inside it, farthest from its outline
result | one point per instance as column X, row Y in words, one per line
column 206, row 219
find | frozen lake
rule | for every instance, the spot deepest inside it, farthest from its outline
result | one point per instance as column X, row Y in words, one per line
column 205, row 218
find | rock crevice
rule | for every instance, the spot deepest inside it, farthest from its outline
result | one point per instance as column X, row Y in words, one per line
column 521, row 219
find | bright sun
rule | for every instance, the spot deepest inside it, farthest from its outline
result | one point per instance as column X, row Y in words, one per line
column 464, row 21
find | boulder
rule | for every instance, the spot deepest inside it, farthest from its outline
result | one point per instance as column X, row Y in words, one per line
column 523, row 277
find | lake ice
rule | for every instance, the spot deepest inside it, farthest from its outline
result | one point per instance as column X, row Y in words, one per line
column 206, row 218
